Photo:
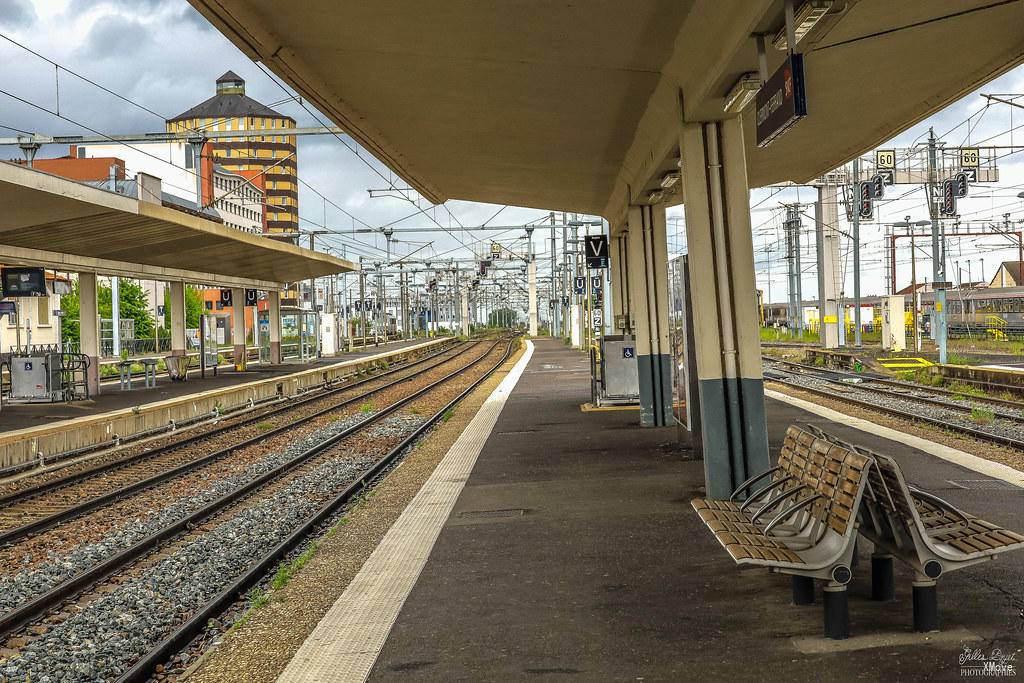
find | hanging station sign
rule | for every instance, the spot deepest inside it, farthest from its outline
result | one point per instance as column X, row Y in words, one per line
column 781, row 101
column 597, row 251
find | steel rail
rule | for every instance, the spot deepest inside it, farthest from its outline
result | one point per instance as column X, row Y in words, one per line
column 874, row 377
column 291, row 404
column 142, row 669
column 43, row 523
column 914, row 417
column 31, row 610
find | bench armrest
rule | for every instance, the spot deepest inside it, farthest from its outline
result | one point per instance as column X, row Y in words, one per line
column 944, row 504
column 745, row 485
column 788, row 512
column 756, row 495
column 774, row 502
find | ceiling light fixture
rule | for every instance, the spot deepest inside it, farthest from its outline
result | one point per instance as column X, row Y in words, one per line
column 669, row 179
column 655, row 196
column 809, row 14
column 742, row 92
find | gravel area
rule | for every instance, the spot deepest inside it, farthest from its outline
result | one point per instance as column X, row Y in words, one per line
column 95, row 643
column 259, row 650
column 60, row 566
column 97, row 526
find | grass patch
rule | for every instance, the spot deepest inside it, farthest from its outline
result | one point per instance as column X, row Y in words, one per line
column 264, row 426
column 966, row 389
column 366, row 408
column 447, row 415
column 257, row 599
column 286, row 572
column 960, row 359
column 928, row 379
column 982, row 416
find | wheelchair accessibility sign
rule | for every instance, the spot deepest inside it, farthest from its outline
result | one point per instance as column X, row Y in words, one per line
column 628, row 352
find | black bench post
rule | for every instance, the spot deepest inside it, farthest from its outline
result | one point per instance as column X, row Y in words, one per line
column 803, row 590
column 926, row 606
column 883, row 585
column 837, row 613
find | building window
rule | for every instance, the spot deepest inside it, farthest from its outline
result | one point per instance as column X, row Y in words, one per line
column 43, row 313
column 189, row 156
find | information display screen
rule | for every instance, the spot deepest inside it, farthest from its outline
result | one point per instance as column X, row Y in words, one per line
column 23, row 281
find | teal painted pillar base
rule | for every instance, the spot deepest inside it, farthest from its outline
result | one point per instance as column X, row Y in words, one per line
column 655, row 375
column 734, row 433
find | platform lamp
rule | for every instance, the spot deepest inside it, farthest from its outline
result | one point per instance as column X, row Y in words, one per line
column 910, row 225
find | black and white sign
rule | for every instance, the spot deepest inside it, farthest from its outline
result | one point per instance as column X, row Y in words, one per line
column 251, row 297
column 225, row 297
column 596, row 282
column 597, row 317
column 628, row 352
column 579, row 285
column 781, row 101
column 597, row 251
column 565, row 301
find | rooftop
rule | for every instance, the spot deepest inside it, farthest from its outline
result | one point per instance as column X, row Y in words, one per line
column 230, row 101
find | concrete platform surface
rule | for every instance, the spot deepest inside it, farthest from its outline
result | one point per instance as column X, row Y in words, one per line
column 111, row 397
column 573, row 553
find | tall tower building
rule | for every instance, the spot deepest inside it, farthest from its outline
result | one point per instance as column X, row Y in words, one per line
column 275, row 152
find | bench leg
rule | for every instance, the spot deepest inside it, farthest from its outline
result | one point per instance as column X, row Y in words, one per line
column 803, row 590
column 926, row 606
column 883, row 585
column 837, row 613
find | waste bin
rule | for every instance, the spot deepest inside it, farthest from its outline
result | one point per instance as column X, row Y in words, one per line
column 177, row 367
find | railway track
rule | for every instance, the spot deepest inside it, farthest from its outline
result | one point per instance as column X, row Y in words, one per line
column 899, row 384
column 352, row 454
column 911, row 402
column 34, row 509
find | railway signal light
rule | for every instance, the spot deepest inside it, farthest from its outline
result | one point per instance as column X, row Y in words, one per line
column 866, row 209
column 948, row 204
column 876, row 186
column 960, row 185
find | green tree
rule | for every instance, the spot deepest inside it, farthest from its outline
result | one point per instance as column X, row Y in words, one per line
column 134, row 306
column 193, row 309
column 70, row 333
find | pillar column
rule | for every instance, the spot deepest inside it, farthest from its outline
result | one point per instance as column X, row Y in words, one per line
column 238, row 326
column 531, row 276
column 618, row 289
column 648, row 289
column 464, row 300
column 89, row 329
column 830, row 280
column 274, row 320
column 727, row 344
column 178, row 322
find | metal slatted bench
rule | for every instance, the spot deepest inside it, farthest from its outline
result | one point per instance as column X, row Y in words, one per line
column 926, row 532
column 803, row 523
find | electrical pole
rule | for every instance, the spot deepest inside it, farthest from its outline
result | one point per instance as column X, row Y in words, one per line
column 856, row 255
column 938, row 258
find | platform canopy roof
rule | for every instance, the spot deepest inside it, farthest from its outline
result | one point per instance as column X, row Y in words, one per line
column 576, row 105
column 62, row 224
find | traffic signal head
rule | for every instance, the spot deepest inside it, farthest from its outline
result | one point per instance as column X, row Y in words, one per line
column 948, row 198
column 877, row 186
column 960, row 184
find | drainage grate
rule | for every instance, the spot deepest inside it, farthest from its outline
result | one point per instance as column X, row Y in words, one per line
column 982, row 484
column 490, row 514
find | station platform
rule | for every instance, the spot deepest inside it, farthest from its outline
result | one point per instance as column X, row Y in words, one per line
column 571, row 551
column 111, row 397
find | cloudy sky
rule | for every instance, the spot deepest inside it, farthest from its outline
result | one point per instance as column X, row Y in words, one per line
column 162, row 55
